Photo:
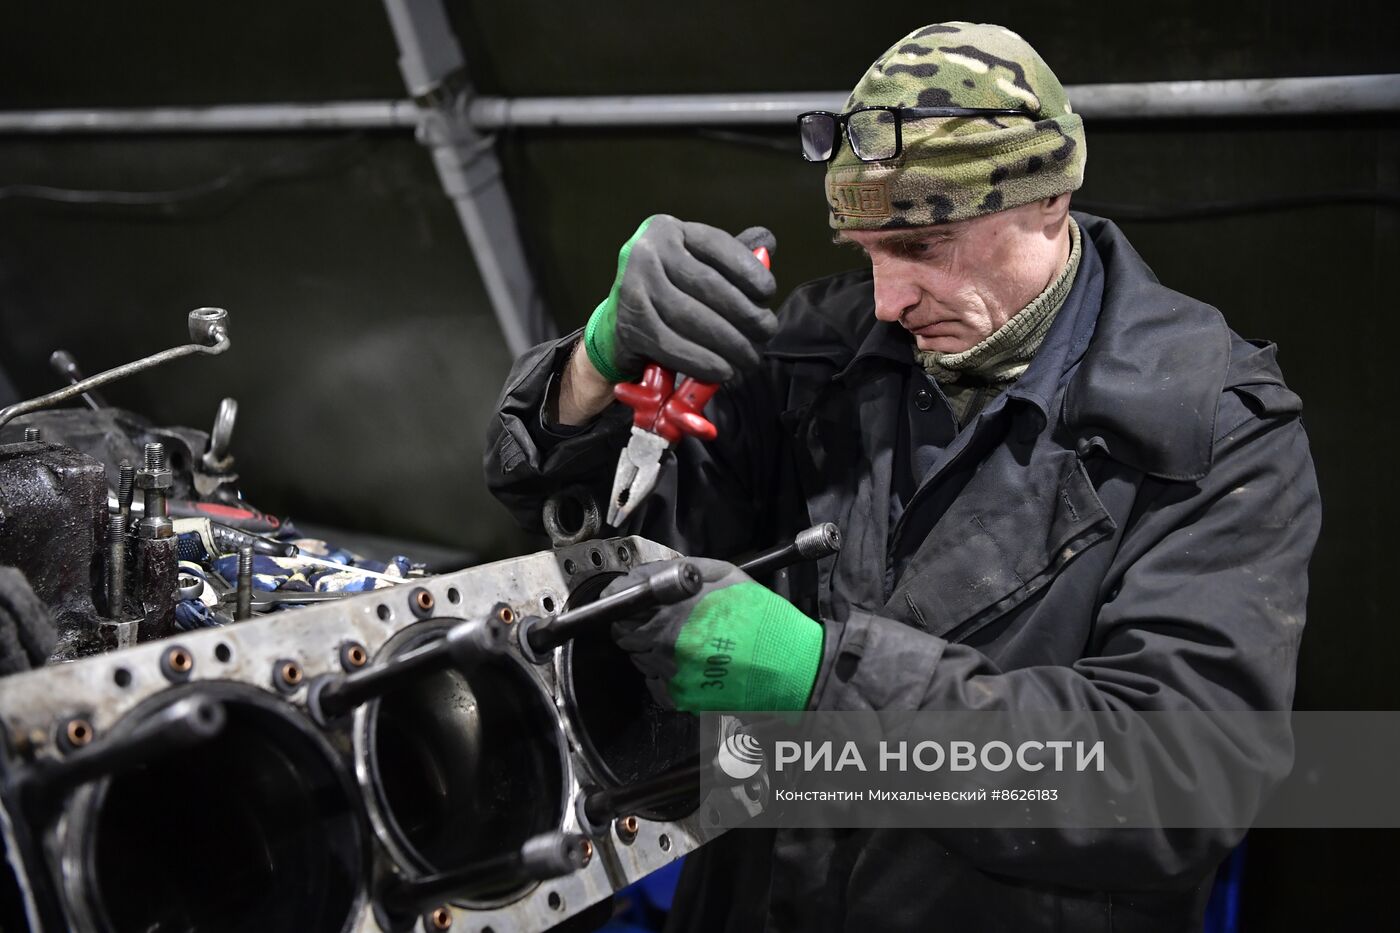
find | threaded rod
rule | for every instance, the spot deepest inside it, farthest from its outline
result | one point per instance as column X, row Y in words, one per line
column 244, row 608
column 125, row 489
column 116, row 564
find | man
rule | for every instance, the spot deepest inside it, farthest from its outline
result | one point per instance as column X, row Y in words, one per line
column 1061, row 486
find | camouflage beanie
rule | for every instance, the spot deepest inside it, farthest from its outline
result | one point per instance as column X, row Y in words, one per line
column 953, row 168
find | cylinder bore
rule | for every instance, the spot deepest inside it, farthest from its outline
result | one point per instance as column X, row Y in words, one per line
column 625, row 734
column 463, row 767
column 256, row 829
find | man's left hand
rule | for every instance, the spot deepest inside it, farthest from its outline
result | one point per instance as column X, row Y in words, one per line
column 735, row 645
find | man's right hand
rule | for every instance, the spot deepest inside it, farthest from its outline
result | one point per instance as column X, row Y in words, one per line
column 686, row 296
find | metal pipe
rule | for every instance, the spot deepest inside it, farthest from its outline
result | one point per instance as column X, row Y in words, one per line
column 208, row 328
column 63, row 363
column 185, row 722
column 1138, row 101
column 465, row 645
column 810, row 544
column 600, row 807
column 677, row 582
column 550, row 855
column 491, row 113
column 1251, row 97
column 233, row 118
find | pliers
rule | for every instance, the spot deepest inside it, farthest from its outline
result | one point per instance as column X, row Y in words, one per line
column 663, row 413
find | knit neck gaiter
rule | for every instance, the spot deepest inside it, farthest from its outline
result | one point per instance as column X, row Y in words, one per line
column 973, row 377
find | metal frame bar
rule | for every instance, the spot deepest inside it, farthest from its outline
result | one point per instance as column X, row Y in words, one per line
column 434, row 69
column 1259, row 97
column 455, row 126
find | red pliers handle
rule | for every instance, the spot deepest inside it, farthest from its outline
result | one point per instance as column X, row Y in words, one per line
column 671, row 411
column 662, row 413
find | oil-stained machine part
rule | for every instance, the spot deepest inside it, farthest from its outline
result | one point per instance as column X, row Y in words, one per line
column 53, row 528
column 421, row 800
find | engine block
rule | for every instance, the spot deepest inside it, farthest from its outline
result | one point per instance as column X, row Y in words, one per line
column 288, row 821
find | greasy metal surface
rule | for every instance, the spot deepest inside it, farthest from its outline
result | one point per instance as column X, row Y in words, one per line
column 571, row 516
column 53, row 526
column 155, row 587
column 105, row 688
column 112, row 435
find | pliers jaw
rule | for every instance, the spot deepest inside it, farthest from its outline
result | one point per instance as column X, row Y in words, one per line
column 637, row 470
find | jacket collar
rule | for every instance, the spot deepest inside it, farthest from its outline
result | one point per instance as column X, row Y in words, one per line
column 1149, row 384
column 1149, row 373
column 1064, row 345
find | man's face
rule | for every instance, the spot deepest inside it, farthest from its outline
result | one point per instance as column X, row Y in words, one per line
column 952, row 285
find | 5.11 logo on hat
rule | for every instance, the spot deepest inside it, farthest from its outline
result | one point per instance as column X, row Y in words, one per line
column 860, row 199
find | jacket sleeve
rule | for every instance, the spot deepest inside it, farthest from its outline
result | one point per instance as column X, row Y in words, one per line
column 1207, row 615
column 526, row 461
column 704, row 500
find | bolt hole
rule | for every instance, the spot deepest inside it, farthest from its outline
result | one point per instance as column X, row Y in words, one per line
column 79, row 732
column 555, row 901
column 384, row 612
column 570, row 567
column 664, row 841
column 623, row 554
column 121, row 677
column 453, row 596
column 223, row 653
column 547, row 603
column 571, row 515
column 596, row 557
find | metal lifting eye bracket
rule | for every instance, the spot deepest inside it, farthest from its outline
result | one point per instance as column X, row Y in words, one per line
column 208, row 330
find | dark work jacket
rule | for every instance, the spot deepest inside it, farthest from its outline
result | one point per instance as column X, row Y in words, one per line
column 1127, row 527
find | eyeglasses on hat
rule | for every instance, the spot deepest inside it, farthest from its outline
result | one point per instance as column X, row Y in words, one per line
column 875, row 134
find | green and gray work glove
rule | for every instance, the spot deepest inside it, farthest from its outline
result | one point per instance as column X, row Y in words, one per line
column 686, row 296
column 735, row 645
